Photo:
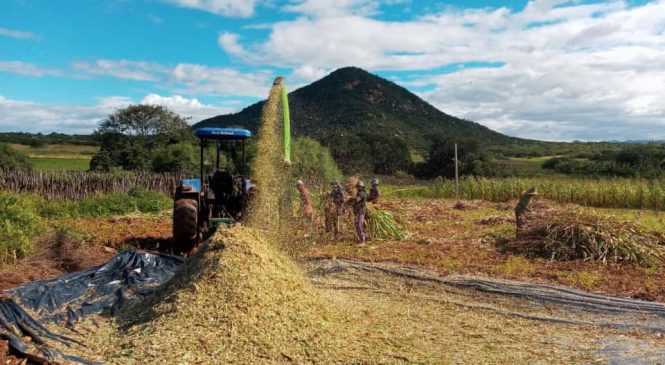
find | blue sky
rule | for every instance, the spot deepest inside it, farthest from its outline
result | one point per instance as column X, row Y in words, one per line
column 545, row 69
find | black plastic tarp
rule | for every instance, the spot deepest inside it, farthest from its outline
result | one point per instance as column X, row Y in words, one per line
column 66, row 299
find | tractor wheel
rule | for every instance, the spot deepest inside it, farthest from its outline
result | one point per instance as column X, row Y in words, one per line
column 185, row 225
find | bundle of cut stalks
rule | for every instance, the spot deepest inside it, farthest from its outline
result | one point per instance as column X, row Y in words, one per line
column 574, row 235
column 382, row 225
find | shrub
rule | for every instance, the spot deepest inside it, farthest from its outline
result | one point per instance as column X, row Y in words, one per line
column 19, row 223
column 178, row 157
column 147, row 201
column 313, row 162
column 11, row 159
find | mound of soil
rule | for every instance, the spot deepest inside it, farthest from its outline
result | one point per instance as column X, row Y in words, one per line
column 56, row 255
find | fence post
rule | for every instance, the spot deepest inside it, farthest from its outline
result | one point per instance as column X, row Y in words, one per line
column 456, row 174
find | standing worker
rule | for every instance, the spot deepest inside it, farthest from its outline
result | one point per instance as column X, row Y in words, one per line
column 305, row 201
column 334, row 207
column 360, row 208
column 522, row 208
column 374, row 192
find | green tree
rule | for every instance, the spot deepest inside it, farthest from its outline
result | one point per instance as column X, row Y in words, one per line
column 11, row 159
column 178, row 157
column 127, row 136
column 313, row 162
column 441, row 158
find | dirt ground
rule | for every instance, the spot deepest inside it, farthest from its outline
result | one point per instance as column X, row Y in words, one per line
column 462, row 240
column 80, row 244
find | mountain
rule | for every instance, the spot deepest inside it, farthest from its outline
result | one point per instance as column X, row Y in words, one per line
column 352, row 100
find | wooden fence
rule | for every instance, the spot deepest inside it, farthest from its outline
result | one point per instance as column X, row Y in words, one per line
column 77, row 185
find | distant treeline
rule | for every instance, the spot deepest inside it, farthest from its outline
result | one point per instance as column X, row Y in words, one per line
column 643, row 161
column 38, row 139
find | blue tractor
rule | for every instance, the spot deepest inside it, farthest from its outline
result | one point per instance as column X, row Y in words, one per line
column 217, row 198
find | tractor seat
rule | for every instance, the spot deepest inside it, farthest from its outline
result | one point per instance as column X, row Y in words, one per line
column 222, row 183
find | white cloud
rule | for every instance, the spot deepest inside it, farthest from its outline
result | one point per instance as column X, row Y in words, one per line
column 122, row 69
column 229, row 43
column 333, row 8
column 27, row 69
column 18, row 34
column 571, row 69
column 189, row 108
column 231, row 8
column 29, row 116
column 198, row 79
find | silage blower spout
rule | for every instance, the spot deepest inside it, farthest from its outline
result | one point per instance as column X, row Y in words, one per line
column 279, row 81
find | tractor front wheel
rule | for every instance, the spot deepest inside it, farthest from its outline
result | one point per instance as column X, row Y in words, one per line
column 185, row 225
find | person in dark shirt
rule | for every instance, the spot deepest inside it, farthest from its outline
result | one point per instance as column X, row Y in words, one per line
column 360, row 209
column 334, row 206
column 374, row 192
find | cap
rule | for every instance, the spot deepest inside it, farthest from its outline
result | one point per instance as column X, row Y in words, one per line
column 299, row 182
column 531, row 191
column 375, row 181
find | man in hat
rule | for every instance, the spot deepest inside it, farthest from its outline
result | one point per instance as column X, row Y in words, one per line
column 522, row 208
column 334, row 206
column 374, row 192
column 360, row 209
column 305, row 201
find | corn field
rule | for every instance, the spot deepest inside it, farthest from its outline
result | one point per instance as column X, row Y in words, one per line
column 77, row 185
column 608, row 193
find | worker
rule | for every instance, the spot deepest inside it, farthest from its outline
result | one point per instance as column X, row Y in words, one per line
column 305, row 201
column 334, row 206
column 522, row 208
column 360, row 208
column 374, row 192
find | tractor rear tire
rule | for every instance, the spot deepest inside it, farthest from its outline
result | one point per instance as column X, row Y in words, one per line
column 185, row 225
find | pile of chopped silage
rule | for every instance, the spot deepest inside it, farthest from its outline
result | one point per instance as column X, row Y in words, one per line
column 238, row 300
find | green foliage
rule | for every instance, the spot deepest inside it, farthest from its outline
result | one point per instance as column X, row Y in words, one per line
column 10, row 159
column 313, row 162
column 138, row 201
column 38, row 139
column 19, row 223
column 178, row 157
column 643, row 161
column 59, row 164
column 605, row 193
column 441, row 159
column 128, row 135
column 147, row 201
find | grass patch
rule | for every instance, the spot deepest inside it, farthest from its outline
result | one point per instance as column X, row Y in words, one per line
column 451, row 263
column 59, row 163
column 517, row 265
column 137, row 201
column 583, row 279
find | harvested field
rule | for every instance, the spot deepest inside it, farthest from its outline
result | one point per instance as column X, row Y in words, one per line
column 452, row 241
